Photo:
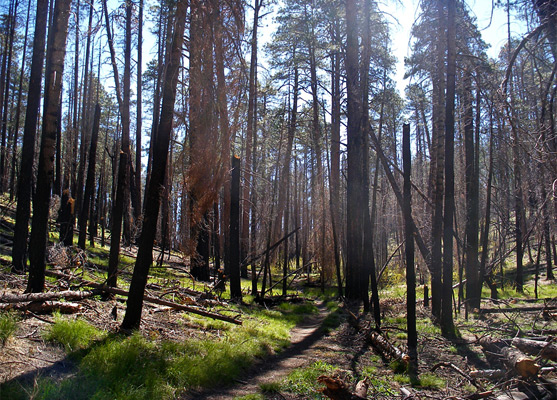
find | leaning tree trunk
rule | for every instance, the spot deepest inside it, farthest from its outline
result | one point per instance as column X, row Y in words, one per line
column 132, row 318
column 55, row 55
column 23, row 210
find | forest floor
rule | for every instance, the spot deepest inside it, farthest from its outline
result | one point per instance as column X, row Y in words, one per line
column 288, row 357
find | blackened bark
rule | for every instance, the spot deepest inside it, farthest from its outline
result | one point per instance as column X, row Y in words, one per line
column 144, row 261
column 122, row 190
column 23, row 210
column 139, row 121
column 437, row 168
column 447, row 325
column 90, row 182
column 409, row 246
column 18, row 106
column 354, row 201
column 473, row 286
column 234, row 256
column 56, row 52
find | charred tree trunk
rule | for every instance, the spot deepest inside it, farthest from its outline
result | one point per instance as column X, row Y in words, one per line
column 90, row 182
column 123, row 96
column 132, row 319
column 234, row 257
column 56, row 52
column 447, row 325
column 473, row 286
column 25, row 179
column 409, row 245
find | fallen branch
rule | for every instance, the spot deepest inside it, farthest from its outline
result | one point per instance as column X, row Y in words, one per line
column 489, row 374
column 457, row 370
column 150, row 299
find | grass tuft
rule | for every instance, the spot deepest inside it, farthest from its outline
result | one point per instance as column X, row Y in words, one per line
column 304, row 380
column 8, row 325
column 73, row 335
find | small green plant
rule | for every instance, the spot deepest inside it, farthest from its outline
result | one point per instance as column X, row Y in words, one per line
column 430, row 381
column 270, row 387
column 73, row 335
column 8, row 326
column 398, row 367
column 250, row 397
column 304, row 380
column 402, row 379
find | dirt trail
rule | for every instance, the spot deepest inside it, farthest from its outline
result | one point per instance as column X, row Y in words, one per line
column 306, row 347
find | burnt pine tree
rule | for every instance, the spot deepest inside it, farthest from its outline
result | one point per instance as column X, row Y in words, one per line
column 234, row 249
column 56, row 51
column 354, row 229
column 123, row 97
column 447, row 325
column 132, row 318
column 23, row 211
column 409, row 245
column 90, row 181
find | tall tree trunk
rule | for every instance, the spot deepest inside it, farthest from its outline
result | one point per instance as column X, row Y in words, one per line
column 335, row 154
column 56, row 52
column 447, row 326
column 473, row 286
column 8, row 64
column 487, row 219
column 409, row 246
column 438, row 166
column 18, row 106
column 90, row 182
column 354, row 201
column 234, row 256
column 85, row 137
column 25, row 179
column 139, row 121
column 132, row 319
column 251, row 130
column 123, row 97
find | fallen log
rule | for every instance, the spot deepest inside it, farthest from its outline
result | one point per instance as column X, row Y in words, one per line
column 43, row 307
column 150, row 299
column 388, row 349
column 516, row 309
column 489, row 374
column 336, row 389
column 479, row 396
column 512, row 358
column 29, row 297
column 542, row 349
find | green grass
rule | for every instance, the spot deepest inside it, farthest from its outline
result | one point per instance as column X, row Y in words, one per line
column 271, row 387
column 73, row 335
column 430, row 381
column 378, row 384
column 134, row 367
column 8, row 325
column 303, row 381
column 250, row 397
